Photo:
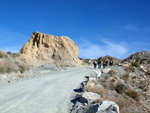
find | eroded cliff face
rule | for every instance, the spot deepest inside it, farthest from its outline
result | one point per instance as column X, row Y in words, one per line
column 48, row 49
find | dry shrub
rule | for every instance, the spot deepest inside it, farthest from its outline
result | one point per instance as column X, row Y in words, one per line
column 2, row 54
column 2, row 69
column 22, row 66
column 133, row 94
column 102, row 79
column 112, row 72
column 126, row 76
column 132, row 81
column 112, row 86
column 20, row 76
column 124, row 104
column 147, row 73
column 115, row 77
column 95, row 89
column 97, row 101
column 7, row 67
column 144, row 85
column 129, row 68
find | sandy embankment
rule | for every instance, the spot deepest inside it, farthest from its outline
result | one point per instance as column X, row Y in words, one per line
column 50, row 93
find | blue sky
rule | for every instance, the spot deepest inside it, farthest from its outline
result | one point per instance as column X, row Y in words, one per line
column 99, row 27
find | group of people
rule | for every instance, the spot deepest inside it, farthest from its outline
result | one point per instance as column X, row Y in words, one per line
column 100, row 63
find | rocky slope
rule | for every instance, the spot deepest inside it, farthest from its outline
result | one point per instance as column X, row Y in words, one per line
column 138, row 70
column 48, row 49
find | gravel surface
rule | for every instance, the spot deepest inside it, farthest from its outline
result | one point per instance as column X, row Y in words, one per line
column 50, row 93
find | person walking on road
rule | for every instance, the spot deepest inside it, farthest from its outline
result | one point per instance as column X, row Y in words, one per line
column 99, row 64
column 111, row 63
column 95, row 64
column 104, row 64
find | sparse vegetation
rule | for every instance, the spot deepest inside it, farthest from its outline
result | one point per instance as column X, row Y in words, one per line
column 112, row 72
column 138, row 59
column 133, row 94
column 8, row 52
column 124, row 104
column 20, row 76
column 125, row 76
column 112, row 86
column 148, row 62
column 129, row 68
column 147, row 73
column 143, row 61
column 1, row 69
column 96, row 88
column 135, row 64
column 22, row 67
column 85, row 60
column 7, row 67
column 1, row 54
column 120, row 88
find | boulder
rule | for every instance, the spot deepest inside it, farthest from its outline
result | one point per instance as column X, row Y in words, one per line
column 102, row 107
column 88, row 97
column 95, row 75
column 106, row 70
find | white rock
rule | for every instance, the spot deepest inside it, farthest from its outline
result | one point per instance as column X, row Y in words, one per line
column 106, row 70
column 103, row 107
column 95, row 74
column 92, row 78
column 88, row 97
column 108, row 106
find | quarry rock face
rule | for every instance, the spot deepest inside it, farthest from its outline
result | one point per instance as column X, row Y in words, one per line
column 48, row 49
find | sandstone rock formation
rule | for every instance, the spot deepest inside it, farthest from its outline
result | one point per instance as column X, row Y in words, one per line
column 48, row 49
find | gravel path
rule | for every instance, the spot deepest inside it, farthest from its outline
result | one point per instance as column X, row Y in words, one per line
column 50, row 93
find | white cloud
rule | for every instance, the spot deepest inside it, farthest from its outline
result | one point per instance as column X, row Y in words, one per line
column 105, row 47
column 131, row 27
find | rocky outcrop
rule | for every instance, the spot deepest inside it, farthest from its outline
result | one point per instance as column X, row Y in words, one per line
column 48, row 49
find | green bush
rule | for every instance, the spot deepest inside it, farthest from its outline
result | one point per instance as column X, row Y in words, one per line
column 138, row 59
column 8, row 52
column 121, row 88
column 135, row 64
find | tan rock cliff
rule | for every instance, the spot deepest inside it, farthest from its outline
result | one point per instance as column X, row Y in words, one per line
column 48, row 49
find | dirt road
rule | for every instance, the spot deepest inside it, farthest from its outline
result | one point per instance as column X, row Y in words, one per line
column 49, row 93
